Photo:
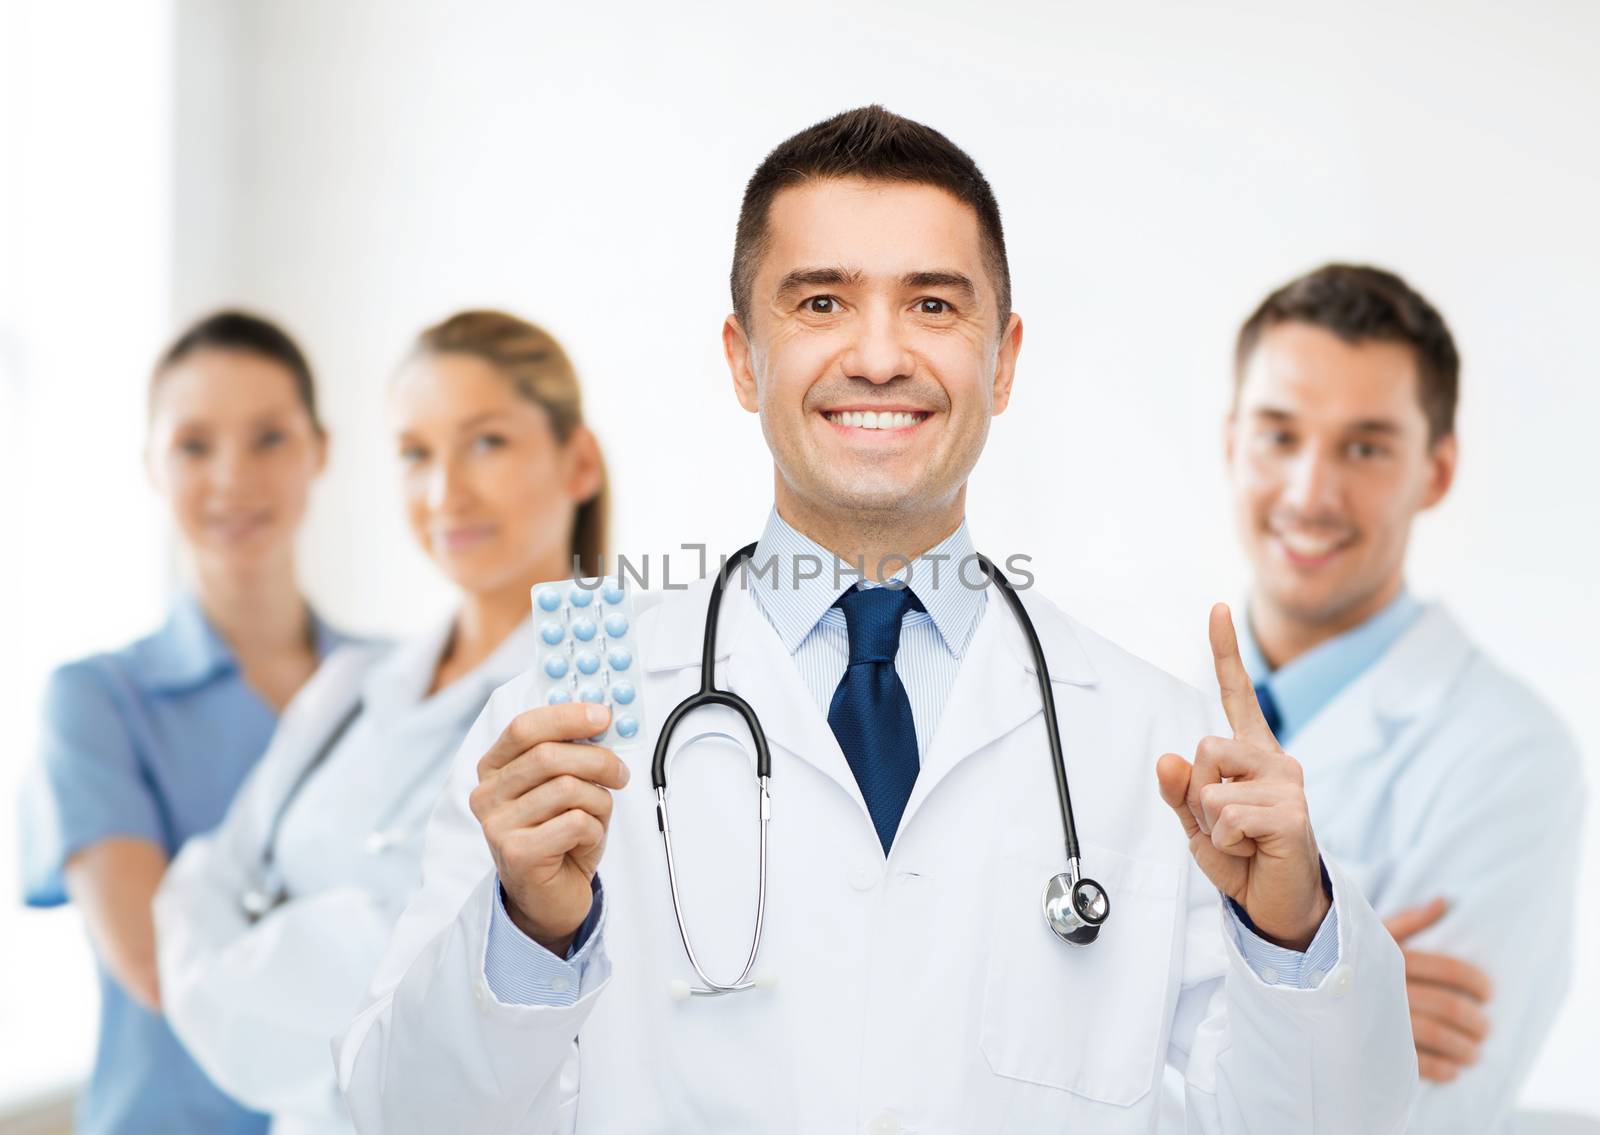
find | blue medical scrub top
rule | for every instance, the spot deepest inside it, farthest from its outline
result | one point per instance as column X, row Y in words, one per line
column 150, row 741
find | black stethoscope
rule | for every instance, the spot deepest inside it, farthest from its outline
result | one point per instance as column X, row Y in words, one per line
column 1075, row 906
column 268, row 891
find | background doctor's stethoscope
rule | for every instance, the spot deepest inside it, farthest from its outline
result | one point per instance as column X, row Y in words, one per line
column 504, row 486
column 396, row 784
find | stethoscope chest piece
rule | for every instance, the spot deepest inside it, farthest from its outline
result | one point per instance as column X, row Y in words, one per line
column 258, row 902
column 1075, row 907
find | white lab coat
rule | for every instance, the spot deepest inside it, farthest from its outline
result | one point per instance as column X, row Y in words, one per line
column 923, row 994
column 1436, row 773
column 258, row 1005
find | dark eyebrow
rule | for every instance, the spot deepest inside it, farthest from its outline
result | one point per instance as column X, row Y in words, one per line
column 818, row 278
column 1381, row 426
column 272, row 417
column 956, row 280
column 1272, row 414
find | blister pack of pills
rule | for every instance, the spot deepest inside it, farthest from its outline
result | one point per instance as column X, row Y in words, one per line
column 588, row 651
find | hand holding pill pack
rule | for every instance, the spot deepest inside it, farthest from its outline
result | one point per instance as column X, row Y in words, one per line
column 587, row 651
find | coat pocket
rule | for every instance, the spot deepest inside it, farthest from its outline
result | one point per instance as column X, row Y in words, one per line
column 1091, row 1020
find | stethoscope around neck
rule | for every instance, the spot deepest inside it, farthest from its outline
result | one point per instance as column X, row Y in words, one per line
column 1075, row 906
column 268, row 891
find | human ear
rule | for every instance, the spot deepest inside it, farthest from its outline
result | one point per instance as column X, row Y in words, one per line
column 1442, row 458
column 1005, row 367
column 736, row 349
column 319, row 452
column 586, row 466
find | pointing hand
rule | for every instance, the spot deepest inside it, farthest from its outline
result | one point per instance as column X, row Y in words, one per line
column 1242, row 804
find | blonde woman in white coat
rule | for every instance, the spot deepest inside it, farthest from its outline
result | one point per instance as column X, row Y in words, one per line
column 269, row 929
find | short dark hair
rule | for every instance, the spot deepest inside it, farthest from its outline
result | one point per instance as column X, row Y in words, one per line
column 1361, row 304
column 877, row 145
column 234, row 330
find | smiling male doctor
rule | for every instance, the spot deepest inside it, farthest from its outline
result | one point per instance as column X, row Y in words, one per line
column 1441, row 782
column 914, row 816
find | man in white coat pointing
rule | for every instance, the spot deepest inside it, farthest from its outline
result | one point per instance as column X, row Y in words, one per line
column 908, row 981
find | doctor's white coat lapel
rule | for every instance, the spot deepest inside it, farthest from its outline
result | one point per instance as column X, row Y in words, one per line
column 997, row 689
column 1356, row 747
column 1406, row 684
column 995, row 692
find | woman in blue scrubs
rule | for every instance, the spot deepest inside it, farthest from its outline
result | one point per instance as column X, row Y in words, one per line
column 145, row 746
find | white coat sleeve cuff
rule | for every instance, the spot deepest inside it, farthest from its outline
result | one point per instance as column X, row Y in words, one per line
column 1278, row 965
column 522, row 972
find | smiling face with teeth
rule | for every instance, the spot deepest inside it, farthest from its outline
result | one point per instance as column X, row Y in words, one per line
column 1329, row 455
column 875, row 355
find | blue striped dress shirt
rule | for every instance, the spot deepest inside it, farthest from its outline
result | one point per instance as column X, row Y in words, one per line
column 946, row 578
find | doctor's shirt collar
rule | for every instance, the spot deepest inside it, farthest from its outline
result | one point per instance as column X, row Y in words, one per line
column 795, row 604
column 1303, row 687
column 187, row 652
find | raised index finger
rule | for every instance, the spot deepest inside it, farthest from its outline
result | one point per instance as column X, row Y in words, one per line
column 574, row 721
column 1238, row 693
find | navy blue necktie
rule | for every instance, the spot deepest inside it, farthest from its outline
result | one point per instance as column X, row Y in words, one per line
column 870, row 713
column 1269, row 709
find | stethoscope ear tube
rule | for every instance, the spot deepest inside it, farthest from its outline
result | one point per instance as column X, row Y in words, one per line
column 1052, row 728
column 258, row 901
column 709, row 695
column 1074, row 907
column 712, row 987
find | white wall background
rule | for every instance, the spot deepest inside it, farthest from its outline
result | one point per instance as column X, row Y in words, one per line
column 363, row 168
column 86, row 228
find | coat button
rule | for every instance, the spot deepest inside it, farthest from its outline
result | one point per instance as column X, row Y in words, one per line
column 480, row 994
column 884, row 1124
column 865, row 876
column 1343, row 978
